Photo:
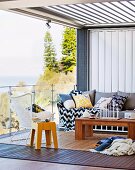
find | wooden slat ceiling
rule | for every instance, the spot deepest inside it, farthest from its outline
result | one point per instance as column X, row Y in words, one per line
column 85, row 14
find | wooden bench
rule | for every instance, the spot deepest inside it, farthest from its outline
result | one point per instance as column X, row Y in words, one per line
column 85, row 125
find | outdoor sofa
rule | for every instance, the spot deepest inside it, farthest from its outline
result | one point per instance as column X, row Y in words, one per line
column 67, row 116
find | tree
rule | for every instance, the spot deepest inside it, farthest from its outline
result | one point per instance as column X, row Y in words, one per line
column 50, row 60
column 68, row 60
column 68, row 63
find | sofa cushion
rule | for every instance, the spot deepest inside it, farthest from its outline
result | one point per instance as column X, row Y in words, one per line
column 36, row 108
column 98, row 95
column 117, row 102
column 130, row 102
column 103, row 102
column 82, row 100
column 69, row 104
column 91, row 95
column 65, row 97
column 75, row 92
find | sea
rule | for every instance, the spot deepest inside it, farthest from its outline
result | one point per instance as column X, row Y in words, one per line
column 14, row 80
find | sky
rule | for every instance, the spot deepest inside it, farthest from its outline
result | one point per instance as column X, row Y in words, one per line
column 22, row 44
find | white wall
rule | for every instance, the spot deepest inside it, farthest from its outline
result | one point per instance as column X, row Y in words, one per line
column 112, row 60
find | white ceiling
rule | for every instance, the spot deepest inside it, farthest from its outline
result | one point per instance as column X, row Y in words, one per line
column 76, row 13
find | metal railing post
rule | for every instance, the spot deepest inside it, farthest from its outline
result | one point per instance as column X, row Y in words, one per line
column 10, row 116
column 33, row 94
column 75, row 87
column 52, row 96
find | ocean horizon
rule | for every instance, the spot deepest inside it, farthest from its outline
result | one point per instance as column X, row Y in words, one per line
column 14, row 80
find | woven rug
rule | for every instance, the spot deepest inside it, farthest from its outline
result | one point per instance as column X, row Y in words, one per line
column 66, row 156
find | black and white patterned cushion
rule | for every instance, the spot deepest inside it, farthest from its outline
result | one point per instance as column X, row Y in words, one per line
column 117, row 102
column 75, row 92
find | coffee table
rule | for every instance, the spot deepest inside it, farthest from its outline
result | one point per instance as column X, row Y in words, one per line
column 85, row 125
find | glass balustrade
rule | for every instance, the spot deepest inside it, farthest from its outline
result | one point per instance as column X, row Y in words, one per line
column 44, row 95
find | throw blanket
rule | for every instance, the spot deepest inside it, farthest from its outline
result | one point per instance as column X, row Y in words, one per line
column 119, row 147
column 67, row 116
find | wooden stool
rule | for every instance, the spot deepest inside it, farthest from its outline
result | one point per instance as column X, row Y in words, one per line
column 36, row 132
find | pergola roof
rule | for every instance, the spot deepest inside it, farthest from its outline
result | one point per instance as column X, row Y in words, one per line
column 77, row 13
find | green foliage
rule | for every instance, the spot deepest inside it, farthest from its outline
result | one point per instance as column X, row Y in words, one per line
column 50, row 60
column 68, row 63
column 62, row 84
column 68, row 60
column 69, row 42
column 61, row 73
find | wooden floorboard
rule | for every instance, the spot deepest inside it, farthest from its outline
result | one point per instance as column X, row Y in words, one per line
column 66, row 140
column 12, row 164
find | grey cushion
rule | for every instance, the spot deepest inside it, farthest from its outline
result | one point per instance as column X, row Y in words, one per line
column 91, row 94
column 98, row 95
column 130, row 103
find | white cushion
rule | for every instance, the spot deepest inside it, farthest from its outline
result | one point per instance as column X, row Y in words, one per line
column 69, row 104
column 43, row 115
column 86, row 113
column 103, row 102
